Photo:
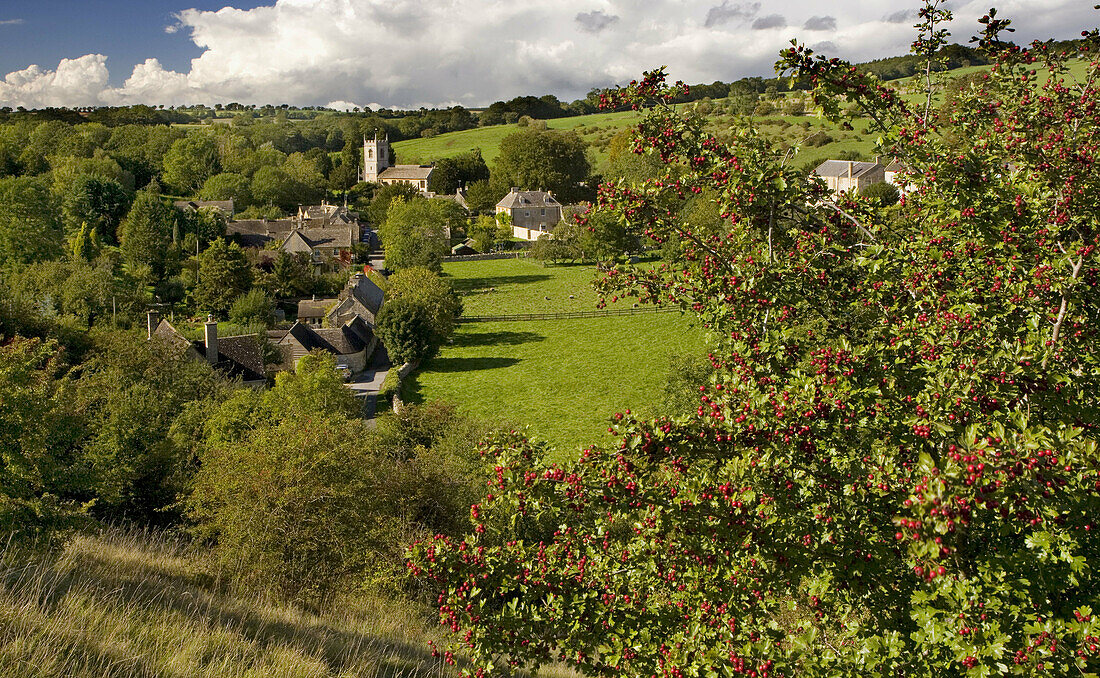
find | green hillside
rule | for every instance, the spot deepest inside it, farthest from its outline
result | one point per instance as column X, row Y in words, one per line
column 598, row 129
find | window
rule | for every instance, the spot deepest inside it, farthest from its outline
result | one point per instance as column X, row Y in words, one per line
column 544, row 212
column 527, row 213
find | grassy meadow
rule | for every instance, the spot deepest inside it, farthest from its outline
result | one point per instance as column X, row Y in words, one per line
column 598, row 129
column 563, row 378
column 135, row 605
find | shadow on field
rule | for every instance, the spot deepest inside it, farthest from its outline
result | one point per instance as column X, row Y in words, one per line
column 469, row 364
column 505, row 338
column 482, row 285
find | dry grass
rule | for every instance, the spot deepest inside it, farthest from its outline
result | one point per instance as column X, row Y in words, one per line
column 132, row 604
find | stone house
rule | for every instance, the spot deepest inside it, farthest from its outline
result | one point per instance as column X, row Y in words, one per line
column 533, row 213
column 842, row 176
column 239, row 357
column 330, row 249
column 352, row 343
column 892, row 175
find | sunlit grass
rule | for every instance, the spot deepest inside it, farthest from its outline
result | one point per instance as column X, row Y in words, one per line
column 133, row 604
column 563, row 378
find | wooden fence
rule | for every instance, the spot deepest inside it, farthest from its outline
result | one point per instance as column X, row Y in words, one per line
column 568, row 315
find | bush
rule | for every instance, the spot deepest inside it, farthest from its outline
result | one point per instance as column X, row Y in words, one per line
column 253, row 307
column 882, row 194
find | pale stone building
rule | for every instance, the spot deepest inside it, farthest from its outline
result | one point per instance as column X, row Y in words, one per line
column 842, row 176
column 378, row 166
column 533, row 213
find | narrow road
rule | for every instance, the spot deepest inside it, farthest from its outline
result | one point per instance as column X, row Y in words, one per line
column 367, row 383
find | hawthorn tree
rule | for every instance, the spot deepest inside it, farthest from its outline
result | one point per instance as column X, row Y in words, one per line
column 893, row 469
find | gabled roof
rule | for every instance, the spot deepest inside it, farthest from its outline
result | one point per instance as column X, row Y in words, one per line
column 517, row 199
column 360, row 298
column 305, row 239
column 895, row 166
column 352, row 337
column 314, row 308
column 165, row 332
column 842, row 168
column 407, row 173
column 238, row 357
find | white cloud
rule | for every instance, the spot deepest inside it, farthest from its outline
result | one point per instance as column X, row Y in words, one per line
column 409, row 53
column 76, row 82
column 341, row 105
column 11, row 22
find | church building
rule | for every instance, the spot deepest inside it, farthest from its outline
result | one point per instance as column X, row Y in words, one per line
column 377, row 167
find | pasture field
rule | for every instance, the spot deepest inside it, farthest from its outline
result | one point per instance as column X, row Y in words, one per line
column 598, row 129
column 563, row 378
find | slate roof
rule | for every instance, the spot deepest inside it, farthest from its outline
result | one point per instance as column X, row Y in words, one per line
column 407, row 173
column 264, row 226
column 361, row 298
column 238, row 357
column 165, row 332
column 517, row 199
column 314, row 308
column 841, row 168
column 352, row 337
column 305, row 239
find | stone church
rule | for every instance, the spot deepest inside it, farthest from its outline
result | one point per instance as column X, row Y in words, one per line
column 377, row 167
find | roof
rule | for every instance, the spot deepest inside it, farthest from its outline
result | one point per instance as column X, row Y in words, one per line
column 165, row 332
column 895, row 166
column 327, row 214
column 305, row 239
column 239, row 356
column 407, row 173
column 261, row 226
column 224, row 206
column 352, row 337
column 366, row 292
column 841, row 168
column 526, row 199
column 314, row 308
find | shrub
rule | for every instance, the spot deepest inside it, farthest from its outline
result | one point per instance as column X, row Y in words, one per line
column 882, row 194
column 253, row 307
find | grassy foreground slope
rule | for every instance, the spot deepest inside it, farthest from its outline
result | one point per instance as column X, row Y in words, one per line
column 133, row 605
column 564, row 378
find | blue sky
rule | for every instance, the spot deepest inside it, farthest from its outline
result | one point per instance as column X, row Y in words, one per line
column 411, row 53
column 126, row 32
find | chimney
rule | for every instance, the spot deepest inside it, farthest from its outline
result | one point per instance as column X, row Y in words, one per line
column 210, row 334
column 515, row 189
column 152, row 319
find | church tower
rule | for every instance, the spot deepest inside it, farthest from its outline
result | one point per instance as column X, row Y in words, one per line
column 376, row 156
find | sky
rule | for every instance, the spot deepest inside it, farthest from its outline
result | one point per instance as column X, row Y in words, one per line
column 412, row 53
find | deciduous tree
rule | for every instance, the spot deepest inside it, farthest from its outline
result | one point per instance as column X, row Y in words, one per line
column 894, row 469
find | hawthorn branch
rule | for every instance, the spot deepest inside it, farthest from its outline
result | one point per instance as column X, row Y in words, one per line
column 1063, row 310
column 849, row 217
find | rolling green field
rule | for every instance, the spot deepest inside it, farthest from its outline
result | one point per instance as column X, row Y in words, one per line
column 563, row 378
column 597, row 130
